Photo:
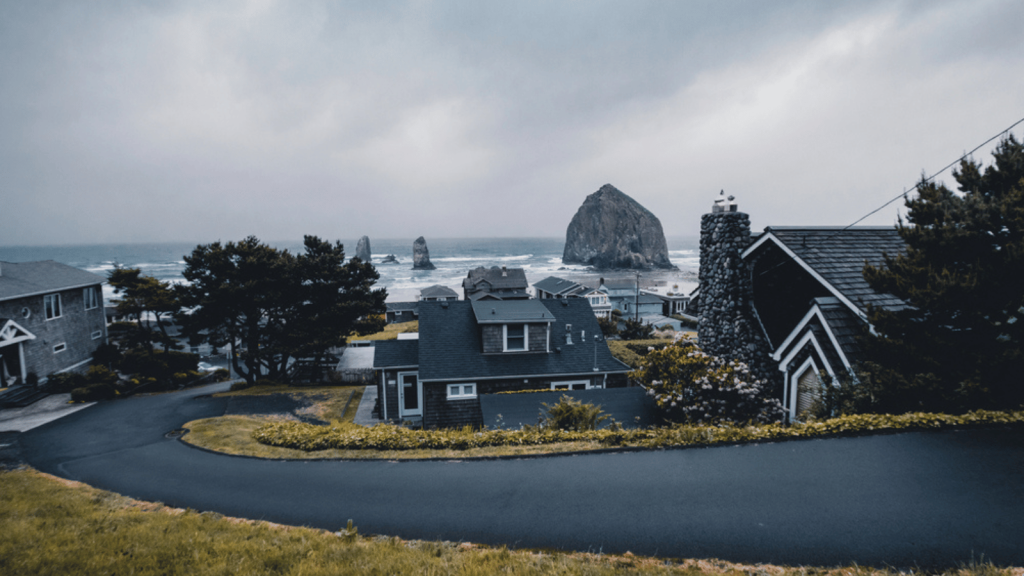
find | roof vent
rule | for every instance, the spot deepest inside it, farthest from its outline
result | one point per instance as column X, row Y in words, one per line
column 565, row 302
column 444, row 303
column 493, row 311
column 504, row 271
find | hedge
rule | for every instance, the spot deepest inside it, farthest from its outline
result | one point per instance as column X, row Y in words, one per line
column 309, row 437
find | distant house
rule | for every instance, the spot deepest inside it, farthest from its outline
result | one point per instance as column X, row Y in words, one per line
column 401, row 312
column 495, row 284
column 639, row 305
column 671, row 303
column 51, row 319
column 790, row 300
column 470, row 348
column 438, row 293
column 554, row 287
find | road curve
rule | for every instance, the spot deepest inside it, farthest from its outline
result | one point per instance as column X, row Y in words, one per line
column 918, row 499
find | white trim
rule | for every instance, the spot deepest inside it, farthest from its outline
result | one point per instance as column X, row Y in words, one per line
column 59, row 309
column 814, row 311
column 384, row 394
column 526, row 337
column 794, row 383
column 517, row 376
column 63, row 347
column 402, row 412
column 49, row 291
column 96, row 297
column 769, row 236
column 586, row 383
column 73, row 366
column 809, row 337
column 97, row 334
column 11, row 327
column 461, row 395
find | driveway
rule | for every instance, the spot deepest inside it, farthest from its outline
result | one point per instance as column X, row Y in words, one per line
column 915, row 499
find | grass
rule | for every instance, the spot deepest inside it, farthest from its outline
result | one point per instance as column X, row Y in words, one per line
column 55, row 526
column 391, row 331
column 329, row 402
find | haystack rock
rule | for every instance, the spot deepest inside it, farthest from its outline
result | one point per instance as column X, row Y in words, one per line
column 420, row 255
column 611, row 230
column 363, row 249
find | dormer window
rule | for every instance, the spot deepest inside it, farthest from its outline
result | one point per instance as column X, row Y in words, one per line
column 515, row 337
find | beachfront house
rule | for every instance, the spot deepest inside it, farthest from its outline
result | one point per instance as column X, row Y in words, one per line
column 791, row 300
column 51, row 319
column 495, row 284
column 554, row 287
column 401, row 312
column 438, row 293
column 467, row 349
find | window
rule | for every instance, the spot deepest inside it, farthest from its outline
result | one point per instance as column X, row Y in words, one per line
column 515, row 337
column 97, row 334
column 51, row 304
column 577, row 385
column 91, row 298
column 60, row 347
column 461, row 391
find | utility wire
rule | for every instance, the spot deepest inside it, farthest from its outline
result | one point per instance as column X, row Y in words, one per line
column 928, row 179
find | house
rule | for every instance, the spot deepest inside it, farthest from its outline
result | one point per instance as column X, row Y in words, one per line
column 790, row 301
column 471, row 348
column 672, row 303
column 554, row 287
column 51, row 319
column 638, row 305
column 401, row 312
column 495, row 284
column 438, row 293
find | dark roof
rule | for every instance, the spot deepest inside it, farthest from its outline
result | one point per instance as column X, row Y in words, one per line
column 838, row 256
column 843, row 325
column 395, row 353
column 21, row 279
column 451, row 349
column 396, row 306
column 556, row 285
column 498, row 278
column 505, row 311
column 438, row 291
column 619, row 284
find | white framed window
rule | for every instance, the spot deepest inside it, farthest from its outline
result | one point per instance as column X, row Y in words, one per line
column 91, row 296
column 97, row 334
column 516, row 337
column 51, row 304
column 461, row 391
column 60, row 347
column 571, row 385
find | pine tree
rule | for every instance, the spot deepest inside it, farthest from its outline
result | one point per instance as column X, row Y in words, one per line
column 958, row 344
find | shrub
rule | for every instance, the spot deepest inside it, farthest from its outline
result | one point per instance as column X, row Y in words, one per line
column 158, row 364
column 609, row 326
column 93, row 392
column 221, row 374
column 691, row 386
column 101, row 375
column 573, row 415
column 107, row 355
column 636, row 330
column 632, row 351
column 64, row 382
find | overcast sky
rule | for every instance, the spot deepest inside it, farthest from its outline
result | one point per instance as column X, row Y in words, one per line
column 197, row 121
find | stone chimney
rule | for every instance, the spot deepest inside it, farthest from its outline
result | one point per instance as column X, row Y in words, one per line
column 728, row 326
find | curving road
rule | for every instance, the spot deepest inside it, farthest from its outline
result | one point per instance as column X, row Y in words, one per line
column 916, row 499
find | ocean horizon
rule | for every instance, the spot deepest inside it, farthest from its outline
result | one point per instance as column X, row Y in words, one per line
column 540, row 257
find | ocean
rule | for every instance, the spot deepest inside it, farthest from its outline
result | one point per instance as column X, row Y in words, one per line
column 453, row 257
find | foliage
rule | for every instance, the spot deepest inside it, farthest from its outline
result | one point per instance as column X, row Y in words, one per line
column 221, row 375
column 101, row 375
column 691, row 386
column 391, row 331
column 149, row 303
column 94, row 392
column 107, row 355
column 959, row 343
column 159, row 365
column 631, row 351
column 574, row 415
column 270, row 306
column 635, row 330
column 609, row 326
column 64, row 382
column 309, row 437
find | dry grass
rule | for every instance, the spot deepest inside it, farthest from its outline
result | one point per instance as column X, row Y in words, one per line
column 54, row 526
column 329, row 402
column 391, row 331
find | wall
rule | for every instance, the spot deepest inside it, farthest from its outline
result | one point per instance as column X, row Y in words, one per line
column 493, row 338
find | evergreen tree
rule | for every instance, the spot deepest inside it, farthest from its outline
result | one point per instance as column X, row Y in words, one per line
column 957, row 345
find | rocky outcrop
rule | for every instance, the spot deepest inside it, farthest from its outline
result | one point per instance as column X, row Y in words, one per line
column 363, row 249
column 611, row 230
column 420, row 255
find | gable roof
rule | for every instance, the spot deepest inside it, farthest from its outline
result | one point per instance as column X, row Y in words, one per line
column 21, row 279
column 403, row 306
column 836, row 256
column 450, row 346
column 556, row 285
column 506, row 311
column 395, row 354
column 498, row 278
column 438, row 291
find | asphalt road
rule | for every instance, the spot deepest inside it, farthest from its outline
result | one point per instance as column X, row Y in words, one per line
column 918, row 499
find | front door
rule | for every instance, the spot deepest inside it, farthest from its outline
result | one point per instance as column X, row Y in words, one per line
column 410, row 395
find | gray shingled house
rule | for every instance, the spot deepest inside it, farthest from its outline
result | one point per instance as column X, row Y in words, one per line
column 495, row 284
column 51, row 319
column 466, row 349
column 438, row 293
column 802, row 292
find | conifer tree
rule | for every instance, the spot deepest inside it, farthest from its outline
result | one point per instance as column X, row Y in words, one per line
column 958, row 344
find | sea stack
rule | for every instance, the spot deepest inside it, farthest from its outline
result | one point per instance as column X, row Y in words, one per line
column 611, row 230
column 420, row 255
column 363, row 249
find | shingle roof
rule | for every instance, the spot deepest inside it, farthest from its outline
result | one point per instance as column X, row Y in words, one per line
column 395, row 353
column 556, row 285
column 505, row 311
column 396, row 306
column 838, row 256
column 438, row 291
column 20, row 279
column 498, row 278
column 450, row 346
column 843, row 324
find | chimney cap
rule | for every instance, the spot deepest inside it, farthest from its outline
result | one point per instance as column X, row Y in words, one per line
column 723, row 204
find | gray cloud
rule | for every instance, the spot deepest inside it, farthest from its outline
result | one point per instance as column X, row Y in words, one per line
column 196, row 121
